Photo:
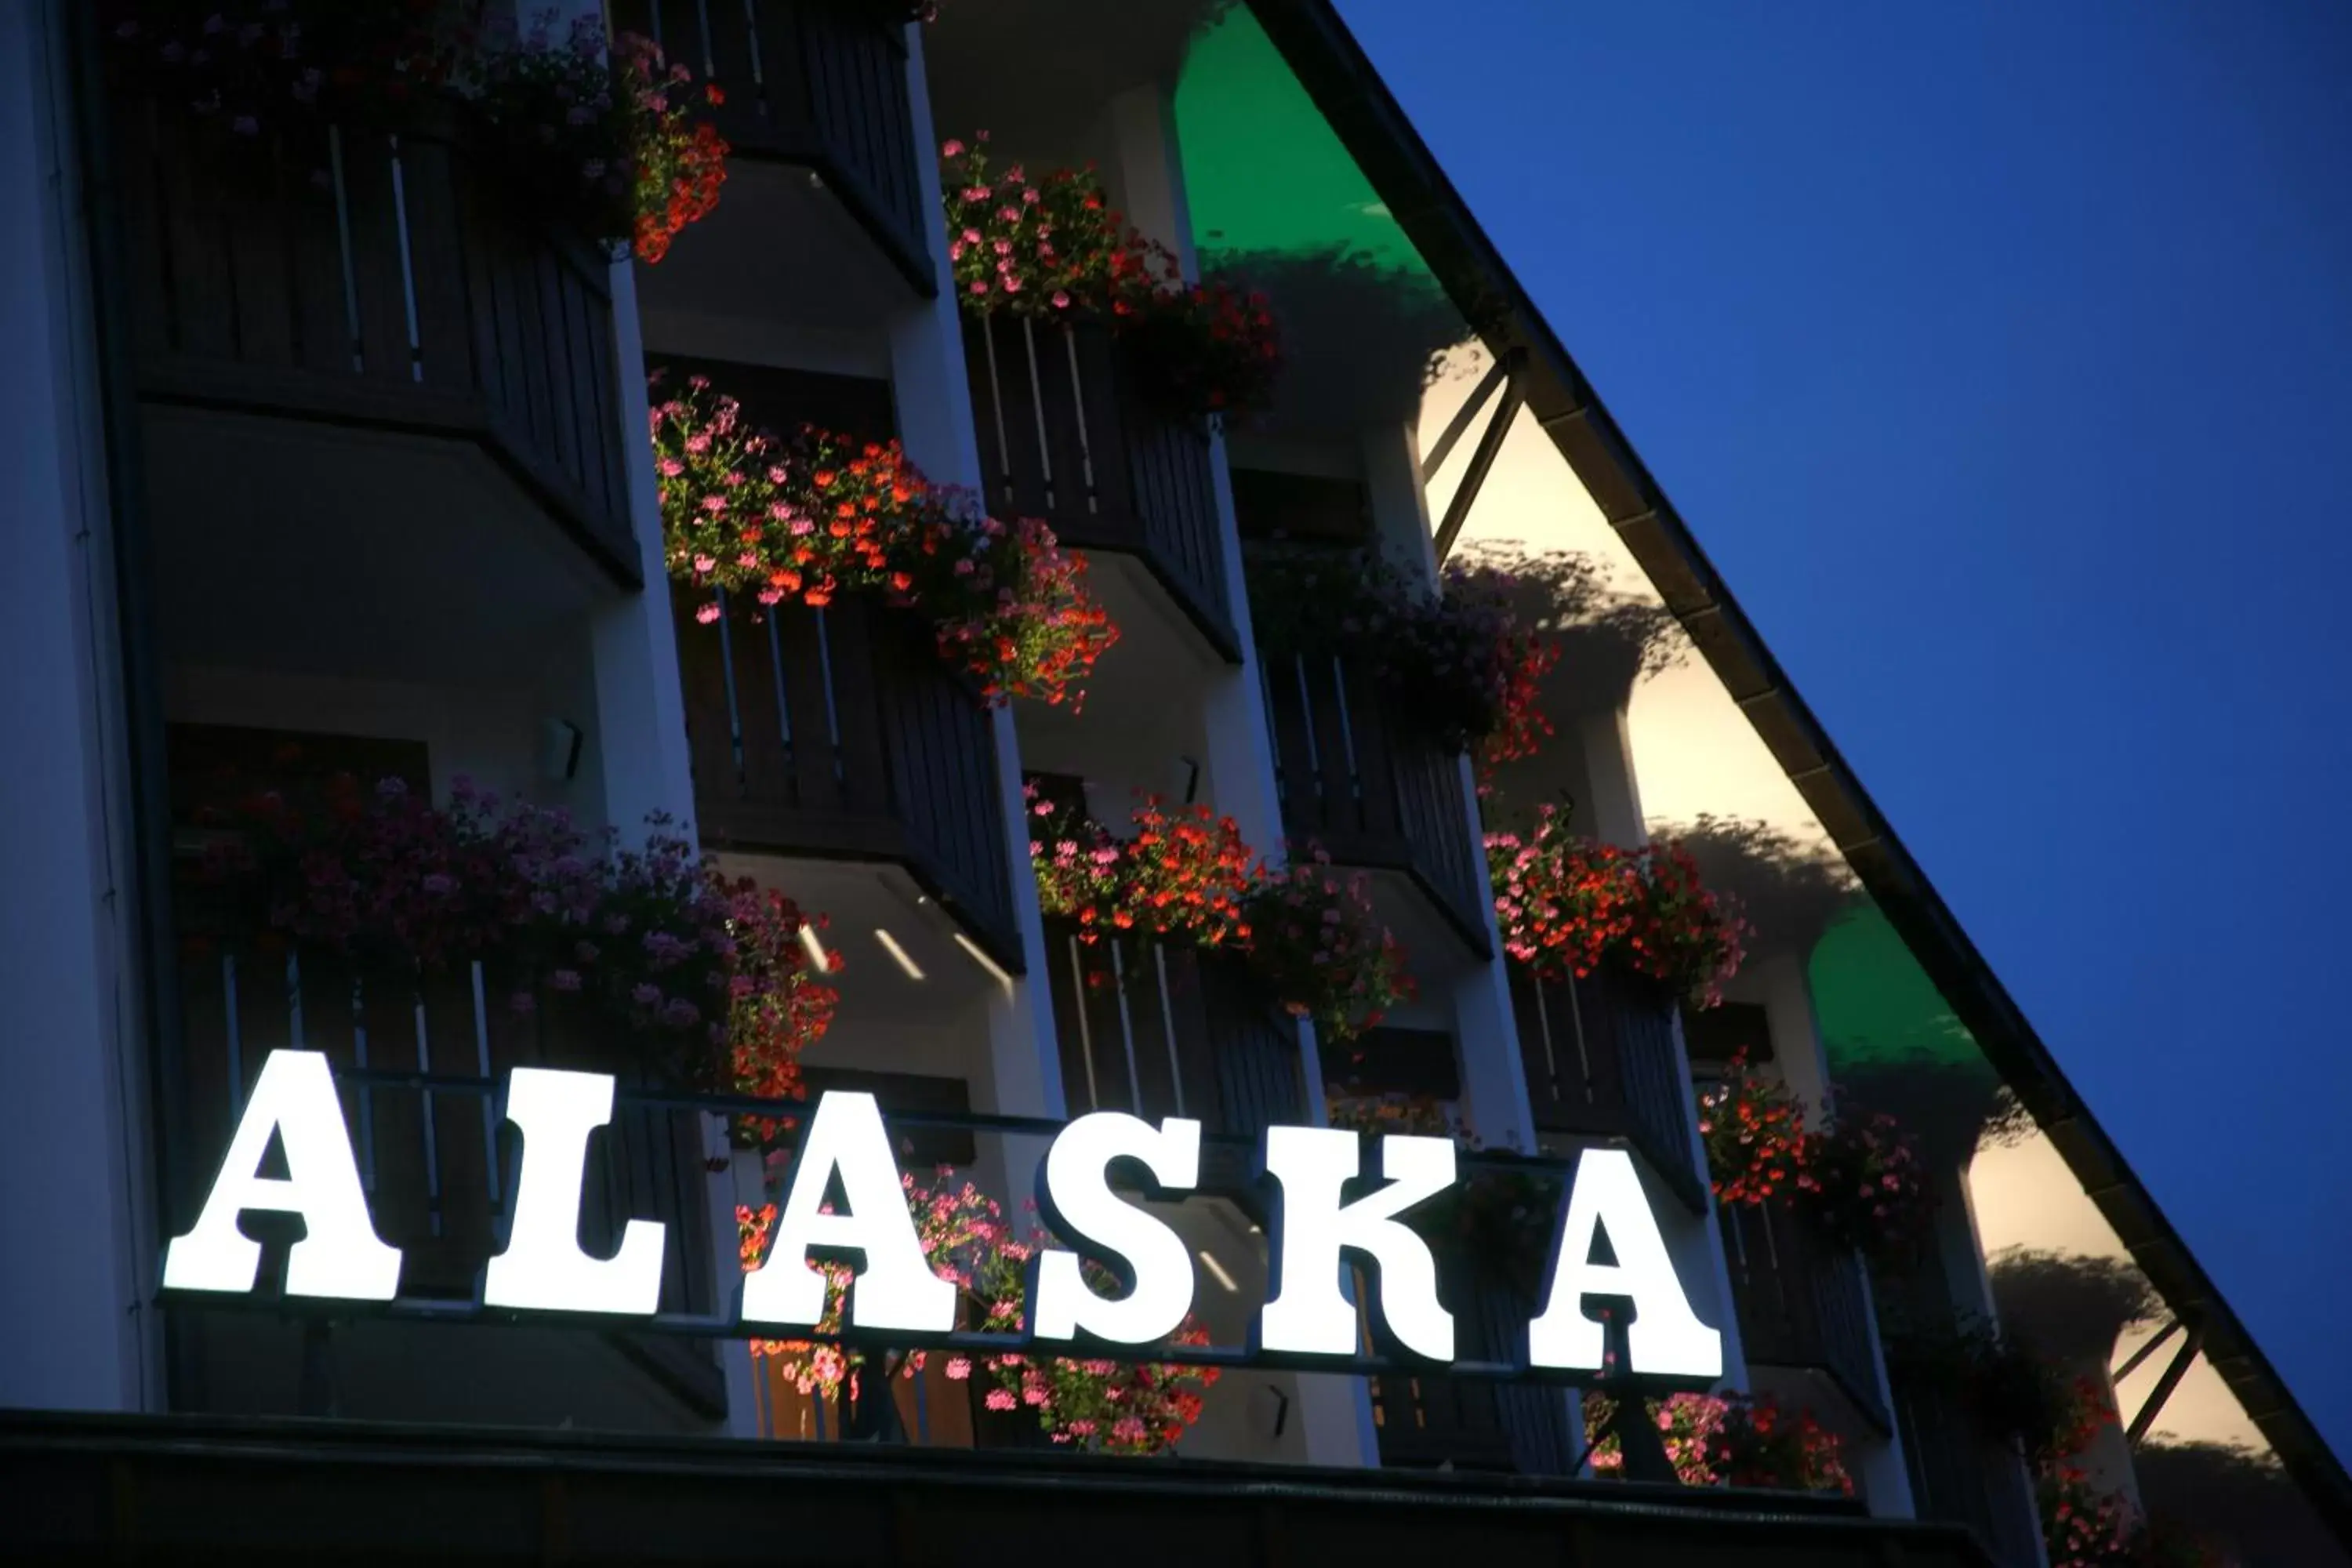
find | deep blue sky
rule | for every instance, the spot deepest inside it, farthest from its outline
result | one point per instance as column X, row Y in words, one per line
column 2000, row 356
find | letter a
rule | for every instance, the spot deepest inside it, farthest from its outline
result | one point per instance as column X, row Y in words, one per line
column 340, row 1254
column 1666, row 1339
column 896, row 1290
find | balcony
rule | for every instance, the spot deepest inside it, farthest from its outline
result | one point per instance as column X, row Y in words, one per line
column 402, row 292
column 819, row 85
column 1065, row 435
column 1378, row 793
column 1158, row 1030
column 438, row 1166
column 1803, row 1305
column 838, row 734
column 1428, row 1421
column 1601, row 1059
column 1961, row 1477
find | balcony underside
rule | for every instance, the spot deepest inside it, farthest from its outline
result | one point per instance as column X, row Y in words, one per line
column 82, row 1487
column 352, row 551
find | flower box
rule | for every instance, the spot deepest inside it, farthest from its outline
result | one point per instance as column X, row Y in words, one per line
column 1064, row 435
column 839, row 734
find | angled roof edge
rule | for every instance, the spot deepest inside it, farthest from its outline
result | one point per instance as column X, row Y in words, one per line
column 1340, row 78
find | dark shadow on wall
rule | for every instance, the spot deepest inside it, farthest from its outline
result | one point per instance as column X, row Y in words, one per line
column 1361, row 340
column 2236, row 1496
column 1953, row 1107
column 2070, row 1306
column 1788, row 891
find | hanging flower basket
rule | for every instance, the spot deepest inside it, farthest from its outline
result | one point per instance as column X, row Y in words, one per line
column 1459, row 661
column 799, row 520
column 710, row 973
column 1567, row 905
column 1185, row 875
column 1858, row 1179
column 1053, row 248
column 1730, row 1440
column 1096, row 1406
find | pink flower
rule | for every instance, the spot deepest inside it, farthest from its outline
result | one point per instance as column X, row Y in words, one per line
column 959, row 1367
column 1001, row 1399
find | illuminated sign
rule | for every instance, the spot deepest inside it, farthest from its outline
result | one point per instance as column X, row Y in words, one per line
column 1316, row 1229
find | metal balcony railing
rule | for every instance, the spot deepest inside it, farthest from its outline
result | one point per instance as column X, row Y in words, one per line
column 438, row 1168
column 1378, row 791
column 382, row 279
column 820, row 84
column 1160, row 1030
column 1065, row 435
column 1600, row 1054
column 839, row 733
column 1803, row 1302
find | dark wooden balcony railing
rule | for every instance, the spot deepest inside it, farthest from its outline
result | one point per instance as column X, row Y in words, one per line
column 1065, row 435
column 1804, row 1303
column 1427, row 1420
column 1374, row 788
column 839, row 734
column 1157, row 1030
column 439, row 1166
column 1600, row 1063
column 1961, row 1477
column 392, row 281
column 820, row 84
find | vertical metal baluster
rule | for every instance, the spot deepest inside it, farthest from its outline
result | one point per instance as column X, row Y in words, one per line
column 294, row 1000
column 1078, row 406
column 832, row 715
column 407, row 266
column 783, row 702
column 1038, row 407
column 922, row 1410
column 343, row 238
column 1266, row 696
column 1348, row 735
column 235, row 1038
column 702, row 20
column 1086, row 1028
column 1543, row 1033
column 1583, row 1052
column 1168, row 1022
column 1126, row 1029
column 1314, row 747
column 367, row 1092
column 996, row 405
column 734, row 699
column 425, row 1117
column 759, row 65
column 482, row 1066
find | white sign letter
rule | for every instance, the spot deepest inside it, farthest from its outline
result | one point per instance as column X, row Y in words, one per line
column 896, row 1288
column 543, row 1266
column 340, row 1254
column 1666, row 1339
column 1307, row 1312
column 1075, row 1193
